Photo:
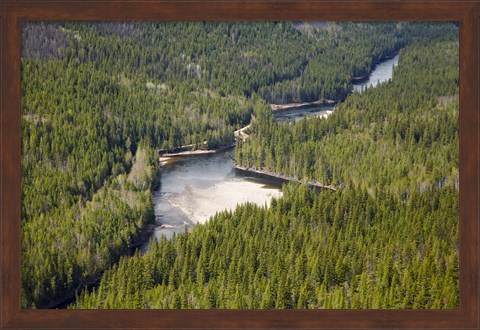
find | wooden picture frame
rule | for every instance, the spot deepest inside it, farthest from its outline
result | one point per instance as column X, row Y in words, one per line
column 14, row 12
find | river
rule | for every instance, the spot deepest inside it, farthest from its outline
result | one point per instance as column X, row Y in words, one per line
column 193, row 188
column 382, row 72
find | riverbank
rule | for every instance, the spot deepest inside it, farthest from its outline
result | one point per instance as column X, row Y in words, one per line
column 293, row 106
column 197, row 152
column 359, row 79
column 166, row 158
column 270, row 175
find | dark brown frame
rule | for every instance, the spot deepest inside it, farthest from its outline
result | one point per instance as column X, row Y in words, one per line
column 14, row 12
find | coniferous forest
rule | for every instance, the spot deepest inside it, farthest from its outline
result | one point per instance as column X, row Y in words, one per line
column 101, row 100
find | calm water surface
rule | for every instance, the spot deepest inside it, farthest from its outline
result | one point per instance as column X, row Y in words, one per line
column 382, row 72
column 194, row 188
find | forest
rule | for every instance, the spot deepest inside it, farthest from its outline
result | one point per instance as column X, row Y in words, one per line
column 100, row 99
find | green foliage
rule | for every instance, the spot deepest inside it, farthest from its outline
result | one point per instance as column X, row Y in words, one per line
column 308, row 251
column 100, row 99
column 74, row 243
column 400, row 136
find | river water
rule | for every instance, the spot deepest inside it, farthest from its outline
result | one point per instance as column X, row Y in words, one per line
column 193, row 188
column 382, row 72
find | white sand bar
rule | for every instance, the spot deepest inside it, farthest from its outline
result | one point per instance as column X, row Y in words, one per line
column 201, row 204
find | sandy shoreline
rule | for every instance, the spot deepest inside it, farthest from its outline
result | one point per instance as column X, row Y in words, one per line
column 283, row 177
column 200, row 204
column 289, row 106
column 171, row 157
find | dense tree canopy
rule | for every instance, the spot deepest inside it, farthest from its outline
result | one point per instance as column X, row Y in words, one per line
column 327, row 250
column 100, row 99
column 399, row 136
column 387, row 239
